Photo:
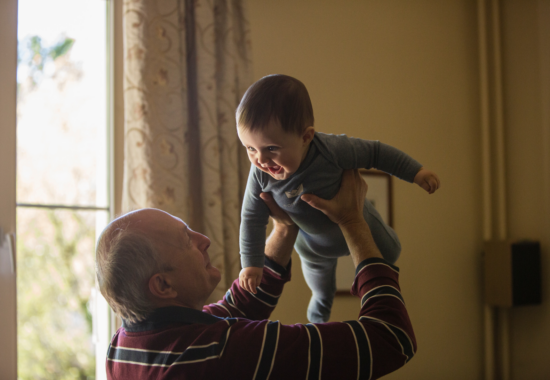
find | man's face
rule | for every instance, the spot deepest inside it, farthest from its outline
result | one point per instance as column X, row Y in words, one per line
column 274, row 151
column 185, row 251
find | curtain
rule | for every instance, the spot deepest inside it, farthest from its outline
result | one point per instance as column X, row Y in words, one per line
column 187, row 65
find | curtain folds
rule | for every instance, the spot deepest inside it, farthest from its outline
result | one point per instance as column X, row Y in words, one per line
column 187, row 65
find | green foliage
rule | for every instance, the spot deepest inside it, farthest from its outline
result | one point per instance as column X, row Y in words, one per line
column 32, row 53
column 61, row 48
column 38, row 53
column 55, row 275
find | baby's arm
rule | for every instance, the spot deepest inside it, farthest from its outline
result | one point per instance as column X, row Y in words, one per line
column 278, row 248
column 353, row 153
column 254, row 218
column 427, row 180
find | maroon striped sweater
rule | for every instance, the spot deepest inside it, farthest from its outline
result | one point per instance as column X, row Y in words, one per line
column 233, row 339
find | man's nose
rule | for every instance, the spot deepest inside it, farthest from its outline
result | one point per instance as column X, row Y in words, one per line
column 204, row 242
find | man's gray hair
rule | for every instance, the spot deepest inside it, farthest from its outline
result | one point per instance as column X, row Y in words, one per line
column 125, row 261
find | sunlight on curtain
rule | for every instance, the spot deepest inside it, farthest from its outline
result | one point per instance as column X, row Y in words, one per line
column 187, row 65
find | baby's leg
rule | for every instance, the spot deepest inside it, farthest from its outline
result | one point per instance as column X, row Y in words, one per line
column 321, row 279
column 384, row 236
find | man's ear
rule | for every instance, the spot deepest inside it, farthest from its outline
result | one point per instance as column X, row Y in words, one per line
column 160, row 286
column 308, row 134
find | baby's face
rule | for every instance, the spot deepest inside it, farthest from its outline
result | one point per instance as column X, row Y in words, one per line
column 274, row 151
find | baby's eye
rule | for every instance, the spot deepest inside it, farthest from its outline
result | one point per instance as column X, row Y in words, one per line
column 272, row 148
column 250, row 149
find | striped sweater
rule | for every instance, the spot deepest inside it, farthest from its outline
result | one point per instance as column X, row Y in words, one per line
column 234, row 339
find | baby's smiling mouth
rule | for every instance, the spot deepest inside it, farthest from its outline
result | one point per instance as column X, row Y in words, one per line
column 275, row 169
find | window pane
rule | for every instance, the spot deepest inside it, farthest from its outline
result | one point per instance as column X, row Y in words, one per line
column 61, row 110
column 55, row 277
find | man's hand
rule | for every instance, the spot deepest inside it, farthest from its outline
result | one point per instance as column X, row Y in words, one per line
column 347, row 205
column 250, row 278
column 279, row 244
column 427, row 180
column 346, row 210
column 275, row 212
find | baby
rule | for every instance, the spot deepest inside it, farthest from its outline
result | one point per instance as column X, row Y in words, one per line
column 275, row 125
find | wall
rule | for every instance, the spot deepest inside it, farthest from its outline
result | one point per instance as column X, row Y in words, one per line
column 405, row 73
column 526, row 57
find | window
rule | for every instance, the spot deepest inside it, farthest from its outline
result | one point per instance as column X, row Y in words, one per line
column 63, row 186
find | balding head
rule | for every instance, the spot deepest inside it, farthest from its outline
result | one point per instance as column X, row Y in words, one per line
column 126, row 257
column 146, row 259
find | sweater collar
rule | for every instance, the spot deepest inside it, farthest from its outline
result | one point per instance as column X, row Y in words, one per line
column 164, row 316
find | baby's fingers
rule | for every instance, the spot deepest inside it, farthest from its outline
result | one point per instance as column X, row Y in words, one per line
column 242, row 282
column 245, row 283
column 429, row 187
column 434, row 184
column 252, row 285
column 425, row 185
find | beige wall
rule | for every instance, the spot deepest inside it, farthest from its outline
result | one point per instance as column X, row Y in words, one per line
column 406, row 73
column 526, row 49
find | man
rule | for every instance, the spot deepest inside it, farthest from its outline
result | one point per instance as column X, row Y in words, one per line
column 156, row 274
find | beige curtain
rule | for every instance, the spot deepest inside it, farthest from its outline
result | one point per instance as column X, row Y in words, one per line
column 187, row 64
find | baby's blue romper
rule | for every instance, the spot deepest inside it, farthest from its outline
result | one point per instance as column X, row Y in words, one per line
column 320, row 241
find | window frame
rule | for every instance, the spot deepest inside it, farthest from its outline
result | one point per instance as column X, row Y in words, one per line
column 8, row 96
column 8, row 204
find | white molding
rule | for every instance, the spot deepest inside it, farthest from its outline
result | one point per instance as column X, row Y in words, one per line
column 8, row 89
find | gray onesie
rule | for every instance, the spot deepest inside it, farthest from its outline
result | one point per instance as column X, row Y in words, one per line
column 320, row 241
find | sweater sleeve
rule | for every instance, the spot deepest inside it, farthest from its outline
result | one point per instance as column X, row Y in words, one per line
column 378, row 342
column 254, row 218
column 238, row 302
column 354, row 153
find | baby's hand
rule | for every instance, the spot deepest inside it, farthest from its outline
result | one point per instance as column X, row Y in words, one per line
column 427, row 180
column 250, row 278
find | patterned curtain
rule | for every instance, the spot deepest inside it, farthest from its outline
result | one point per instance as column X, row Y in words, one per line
column 187, row 65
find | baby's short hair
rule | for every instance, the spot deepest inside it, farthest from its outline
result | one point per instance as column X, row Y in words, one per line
column 276, row 97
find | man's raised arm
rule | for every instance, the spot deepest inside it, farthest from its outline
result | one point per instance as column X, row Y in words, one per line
column 345, row 209
column 378, row 342
column 238, row 302
column 279, row 244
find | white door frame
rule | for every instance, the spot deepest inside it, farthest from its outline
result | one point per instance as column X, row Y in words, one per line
column 8, row 95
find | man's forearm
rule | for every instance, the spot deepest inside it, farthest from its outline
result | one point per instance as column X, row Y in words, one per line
column 280, row 242
column 360, row 242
